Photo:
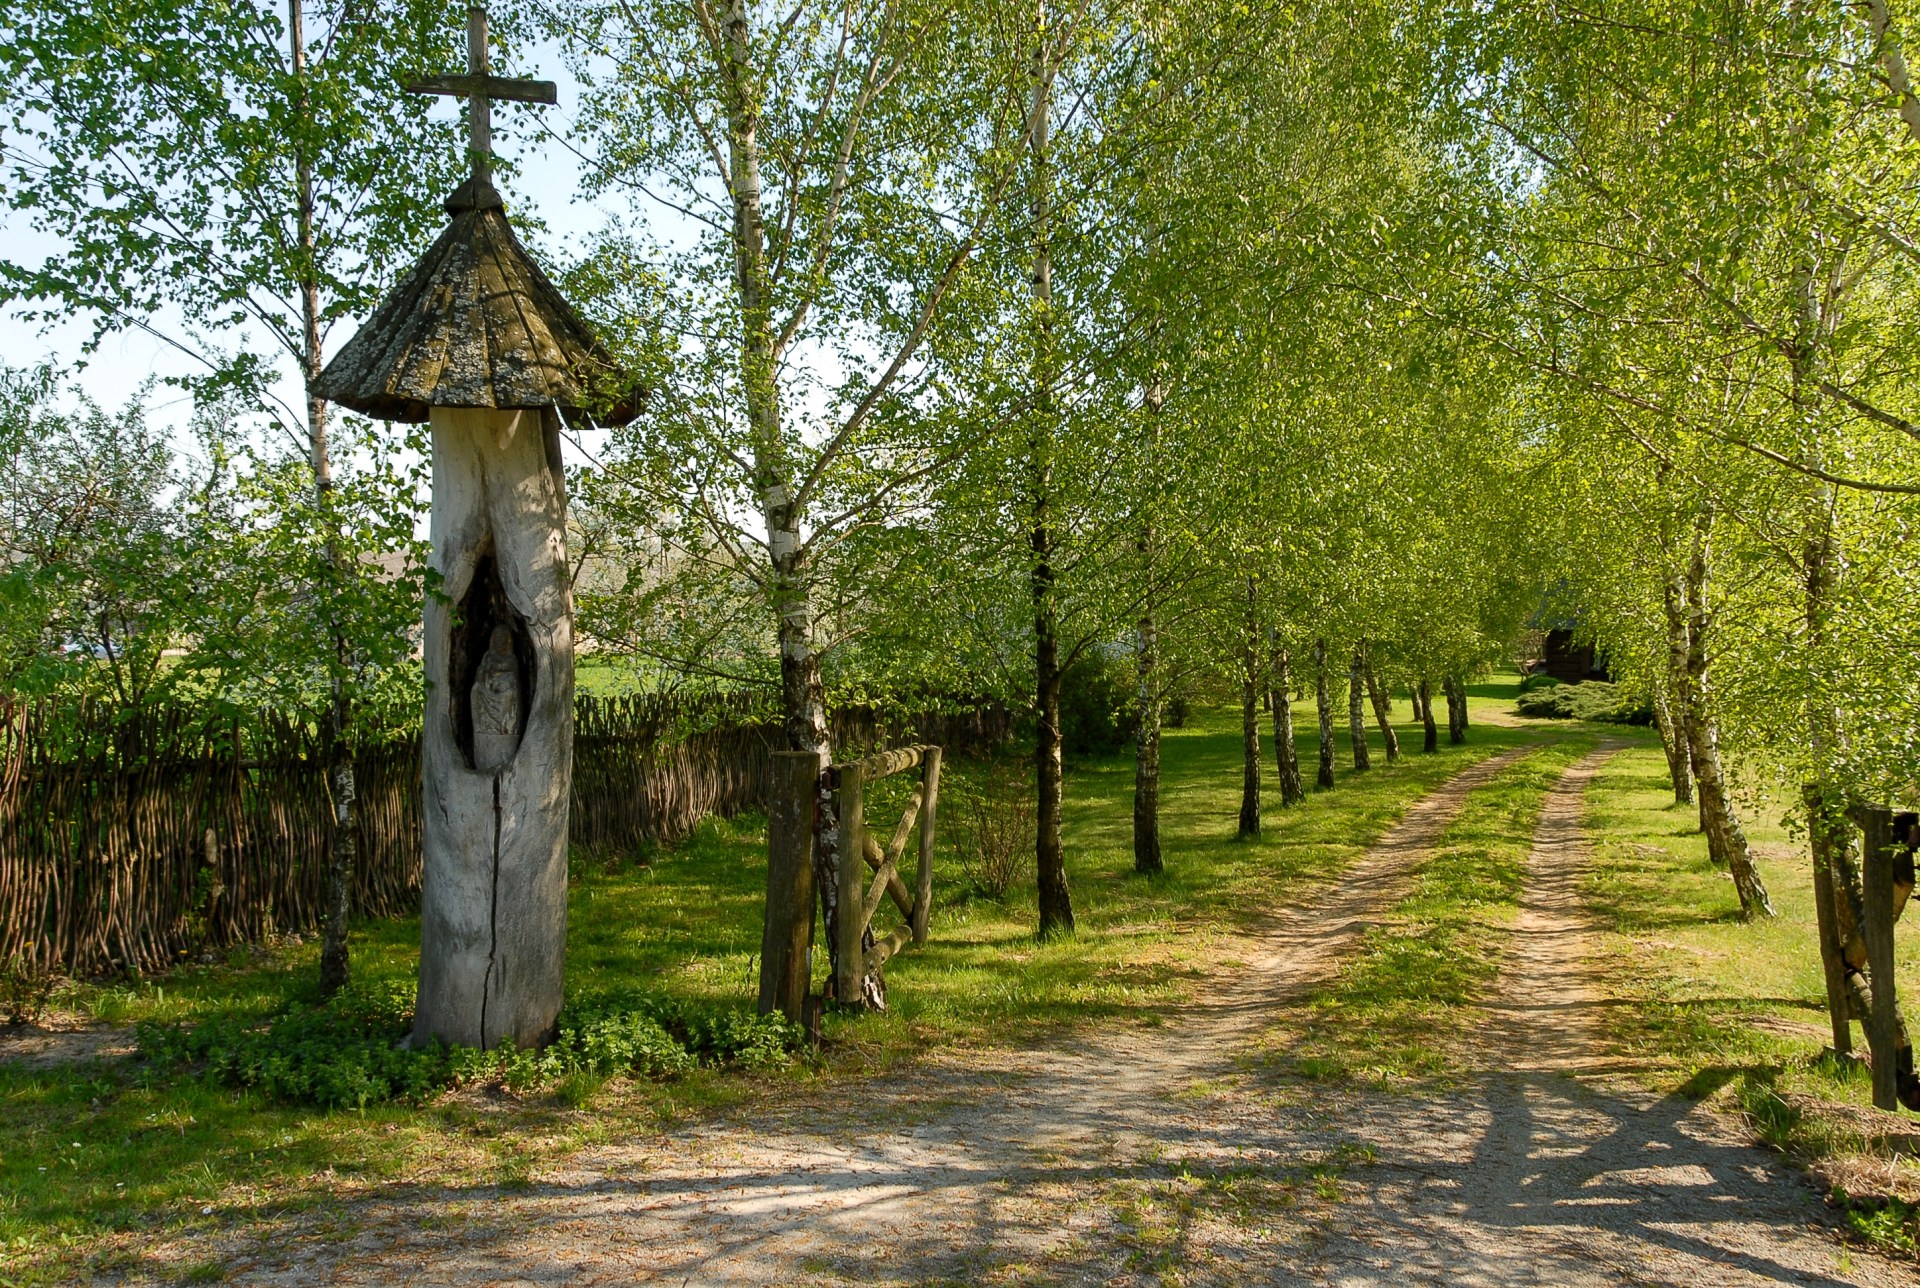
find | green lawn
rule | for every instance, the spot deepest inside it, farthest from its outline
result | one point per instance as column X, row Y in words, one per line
column 94, row 1159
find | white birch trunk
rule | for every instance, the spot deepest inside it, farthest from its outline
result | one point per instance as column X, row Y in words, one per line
column 1357, row 715
column 1323, row 703
column 1146, row 770
column 1893, row 62
column 1285, row 755
column 1726, row 839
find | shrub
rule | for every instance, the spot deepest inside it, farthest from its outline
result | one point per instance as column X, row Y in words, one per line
column 26, row 989
column 1538, row 680
column 717, row 1035
column 1595, row 700
column 349, row 1052
column 993, row 822
column 344, row 1053
column 1097, row 705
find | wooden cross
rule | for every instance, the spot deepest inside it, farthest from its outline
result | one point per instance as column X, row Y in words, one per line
column 480, row 89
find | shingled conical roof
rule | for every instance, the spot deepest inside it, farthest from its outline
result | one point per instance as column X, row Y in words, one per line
column 476, row 324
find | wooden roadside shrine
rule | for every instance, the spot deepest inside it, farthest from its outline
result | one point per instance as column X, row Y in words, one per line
column 816, row 826
column 475, row 341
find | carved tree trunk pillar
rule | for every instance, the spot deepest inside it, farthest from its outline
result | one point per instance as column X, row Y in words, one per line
column 494, row 896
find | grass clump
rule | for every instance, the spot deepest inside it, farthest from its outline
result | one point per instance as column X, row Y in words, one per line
column 350, row 1051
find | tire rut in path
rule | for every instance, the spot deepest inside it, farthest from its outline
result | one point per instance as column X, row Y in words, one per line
column 1535, row 1176
column 949, row 1169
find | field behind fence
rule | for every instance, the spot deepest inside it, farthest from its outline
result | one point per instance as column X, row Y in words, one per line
column 129, row 844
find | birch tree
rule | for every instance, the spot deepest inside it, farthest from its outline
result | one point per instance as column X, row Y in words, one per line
column 833, row 170
column 232, row 179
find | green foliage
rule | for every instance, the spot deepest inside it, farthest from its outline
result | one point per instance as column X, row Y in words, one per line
column 1098, row 707
column 234, row 178
column 26, row 989
column 160, row 149
column 345, row 1053
column 1885, row 1222
column 131, row 576
column 94, row 560
column 1594, row 700
column 1720, row 411
column 350, row 1051
column 258, row 637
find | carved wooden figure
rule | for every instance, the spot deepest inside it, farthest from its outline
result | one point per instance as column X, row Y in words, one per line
column 477, row 342
column 495, row 703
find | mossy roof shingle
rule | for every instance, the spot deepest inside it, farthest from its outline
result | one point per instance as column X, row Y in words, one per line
column 476, row 324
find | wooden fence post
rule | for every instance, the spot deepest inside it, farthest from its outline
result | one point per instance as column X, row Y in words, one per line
column 786, row 941
column 1877, row 880
column 850, row 959
column 929, row 803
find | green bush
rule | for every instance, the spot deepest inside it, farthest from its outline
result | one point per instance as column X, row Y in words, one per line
column 1097, row 705
column 1595, row 700
column 988, row 817
column 1538, row 680
column 1885, row 1222
column 349, row 1052
column 26, row 990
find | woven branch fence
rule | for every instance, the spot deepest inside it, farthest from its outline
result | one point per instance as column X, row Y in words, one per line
column 130, row 844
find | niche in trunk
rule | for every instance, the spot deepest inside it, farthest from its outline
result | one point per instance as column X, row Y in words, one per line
column 493, row 670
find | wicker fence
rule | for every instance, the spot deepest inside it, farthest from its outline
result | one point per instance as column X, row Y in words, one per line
column 130, row 844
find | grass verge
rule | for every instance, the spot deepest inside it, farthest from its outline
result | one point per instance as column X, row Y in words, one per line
column 1397, row 1005
column 1735, row 1011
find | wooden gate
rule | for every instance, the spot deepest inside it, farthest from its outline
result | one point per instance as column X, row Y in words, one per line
column 860, row 952
column 805, row 793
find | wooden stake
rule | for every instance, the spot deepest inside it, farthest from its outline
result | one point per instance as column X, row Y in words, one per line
column 851, row 923
column 929, row 802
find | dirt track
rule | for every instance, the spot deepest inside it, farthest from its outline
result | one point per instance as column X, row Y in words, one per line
column 1163, row 1156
